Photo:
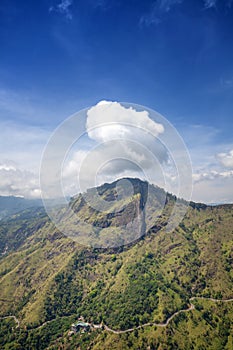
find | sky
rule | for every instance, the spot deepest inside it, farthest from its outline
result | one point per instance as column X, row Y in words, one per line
column 173, row 56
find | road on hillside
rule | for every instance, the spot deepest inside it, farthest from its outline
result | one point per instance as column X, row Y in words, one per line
column 191, row 307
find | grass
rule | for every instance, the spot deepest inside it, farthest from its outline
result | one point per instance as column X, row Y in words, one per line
column 47, row 276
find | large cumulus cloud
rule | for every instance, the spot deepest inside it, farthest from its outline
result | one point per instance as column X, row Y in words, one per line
column 108, row 120
column 125, row 143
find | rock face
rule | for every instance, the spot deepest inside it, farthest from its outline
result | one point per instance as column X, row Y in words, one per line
column 114, row 214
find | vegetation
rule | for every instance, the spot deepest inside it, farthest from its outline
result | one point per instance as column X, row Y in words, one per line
column 48, row 279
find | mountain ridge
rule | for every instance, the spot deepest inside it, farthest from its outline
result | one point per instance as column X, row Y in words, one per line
column 48, row 276
column 10, row 205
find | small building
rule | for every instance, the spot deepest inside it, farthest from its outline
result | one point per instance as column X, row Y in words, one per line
column 80, row 327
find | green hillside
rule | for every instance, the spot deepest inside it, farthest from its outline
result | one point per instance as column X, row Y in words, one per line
column 48, row 281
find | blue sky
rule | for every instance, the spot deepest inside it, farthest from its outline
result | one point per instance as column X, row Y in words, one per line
column 174, row 56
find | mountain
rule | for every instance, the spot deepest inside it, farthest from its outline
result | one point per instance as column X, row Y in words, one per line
column 162, row 289
column 10, row 205
column 116, row 214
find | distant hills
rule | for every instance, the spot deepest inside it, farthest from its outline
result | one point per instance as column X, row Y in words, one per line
column 10, row 205
column 134, row 291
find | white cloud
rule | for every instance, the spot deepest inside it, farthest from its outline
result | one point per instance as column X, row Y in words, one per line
column 21, row 150
column 18, row 182
column 213, row 183
column 217, row 190
column 72, row 166
column 212, row 180
column 91, row 168
column 22, row 143
column 110, row 120
column 64, row 8
column 126, row 138
column 105, row 159
column 226, row 159
column 126, row 143
column 70, row 172
column 210, row 3
column 212, row 175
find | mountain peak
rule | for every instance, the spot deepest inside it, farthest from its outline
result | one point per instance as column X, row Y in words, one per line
column 115, row 214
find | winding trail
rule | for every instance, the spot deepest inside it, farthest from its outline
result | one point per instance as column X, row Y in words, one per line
column 14, row 318
column 165, row 324
column 191, row 307
column 46, row 322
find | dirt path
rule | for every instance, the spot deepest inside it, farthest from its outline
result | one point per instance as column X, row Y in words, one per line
column 14, row 318
column 46, row 322
column 212, row 299
column 191, row 307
